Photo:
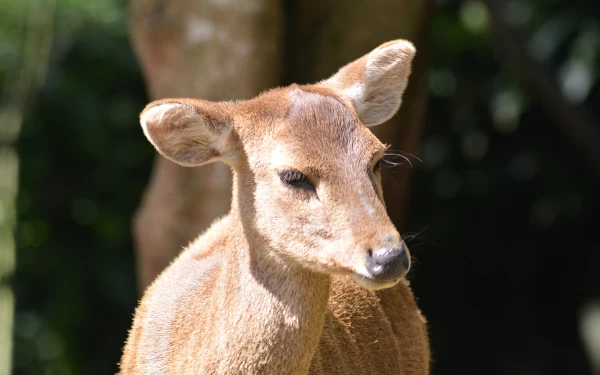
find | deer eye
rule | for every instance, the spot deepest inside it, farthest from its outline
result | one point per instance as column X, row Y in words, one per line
column 295, row 179
column 377, row 166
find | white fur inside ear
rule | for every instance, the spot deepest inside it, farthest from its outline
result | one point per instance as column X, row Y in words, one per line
column 386, row 74
column 180, row 133
column 375, row 83
column 155, row 115
column 356, row 93
column 385, row 59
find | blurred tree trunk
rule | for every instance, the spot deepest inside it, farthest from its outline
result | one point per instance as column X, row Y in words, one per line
column 9, row 127
column 25, row 78
column 229, row 50
column 217, row 50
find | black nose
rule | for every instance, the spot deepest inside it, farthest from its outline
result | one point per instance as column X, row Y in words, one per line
column 388, row 263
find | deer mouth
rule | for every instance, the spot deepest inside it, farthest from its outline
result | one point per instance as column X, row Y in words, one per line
column 372, row 283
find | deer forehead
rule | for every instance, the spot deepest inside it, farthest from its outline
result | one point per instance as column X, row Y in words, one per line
column 320, row 131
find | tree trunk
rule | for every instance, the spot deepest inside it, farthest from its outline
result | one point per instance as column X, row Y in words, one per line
column 27, row 77
column 8, row 192
column 217, row 50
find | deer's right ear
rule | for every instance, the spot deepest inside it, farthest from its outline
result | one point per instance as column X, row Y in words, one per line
column 189, row 132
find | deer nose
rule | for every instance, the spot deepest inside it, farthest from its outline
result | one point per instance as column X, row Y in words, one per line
column 388, row 263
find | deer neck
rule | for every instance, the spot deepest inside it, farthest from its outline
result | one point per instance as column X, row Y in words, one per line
column 281, row 305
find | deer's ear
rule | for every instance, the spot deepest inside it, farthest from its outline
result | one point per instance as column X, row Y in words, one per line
column 189, row 132
column 374, row 84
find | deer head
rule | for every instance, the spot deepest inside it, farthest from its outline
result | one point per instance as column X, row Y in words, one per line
column 307, row 168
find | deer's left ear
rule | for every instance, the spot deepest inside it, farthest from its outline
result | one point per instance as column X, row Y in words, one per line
column 374, row 84
column 190, row 132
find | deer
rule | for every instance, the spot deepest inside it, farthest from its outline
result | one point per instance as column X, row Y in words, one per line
column 306, row 274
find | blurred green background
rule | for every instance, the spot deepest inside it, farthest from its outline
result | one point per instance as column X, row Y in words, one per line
column 508, row 253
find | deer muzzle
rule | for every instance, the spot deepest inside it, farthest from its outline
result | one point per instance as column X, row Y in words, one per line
column 388, row 263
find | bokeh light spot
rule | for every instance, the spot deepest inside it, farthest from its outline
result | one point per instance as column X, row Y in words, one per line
column 33, row 233
column 442, row 83
column 84, row 211
column 49, row 345
column 433, row 152
column 523, row 166
column 447, row 184
column 518, row 12
column 544, row 213
column 507, row 107
column 474, row 145
column 576, row 81
column 474, row 16
column 27, row 324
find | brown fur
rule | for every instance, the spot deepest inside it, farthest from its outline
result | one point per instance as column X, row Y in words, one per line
column 273, row 287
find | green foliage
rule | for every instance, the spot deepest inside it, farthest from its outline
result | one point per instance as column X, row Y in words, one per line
column 508, row 255
column 84, row 164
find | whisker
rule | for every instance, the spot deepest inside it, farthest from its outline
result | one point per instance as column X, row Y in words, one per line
column 409, row 237
column 391, row 163
column 407, row 159
column 398, row 154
